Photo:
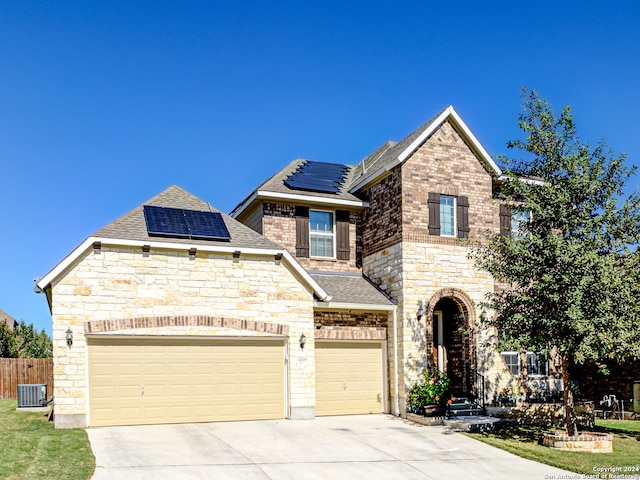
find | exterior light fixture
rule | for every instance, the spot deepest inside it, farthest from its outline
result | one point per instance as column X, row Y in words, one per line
column 303, row 341
column 146, row 248
column 483, row 315
column 236, row 254
column 69, row 337
column 278, row 256
column 192, row 252
column 421, row 310
column 97, row 246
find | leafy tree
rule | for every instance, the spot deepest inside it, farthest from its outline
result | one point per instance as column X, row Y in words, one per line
column 8, row 344
column 571, row 274
column 31, row 343
column 24, row 342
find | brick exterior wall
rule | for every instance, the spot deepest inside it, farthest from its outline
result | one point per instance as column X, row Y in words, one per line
column 279, row 225
column 171, row 293
column 412, row 266
column 382, row 221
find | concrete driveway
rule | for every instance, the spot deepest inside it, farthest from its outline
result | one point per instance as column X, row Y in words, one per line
column 351, row 447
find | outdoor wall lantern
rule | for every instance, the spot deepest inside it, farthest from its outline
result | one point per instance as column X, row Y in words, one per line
column 69, row 337
column 483, row 315
column 421, row 310
column 303, row 341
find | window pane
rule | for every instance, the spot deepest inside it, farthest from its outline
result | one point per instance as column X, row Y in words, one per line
column 517, row 220
column 321, row 221
column 536, row 364
column 512, row 360
column 447, row 216
column 321, row 246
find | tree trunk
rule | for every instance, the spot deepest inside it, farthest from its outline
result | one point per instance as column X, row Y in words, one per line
column 569, row 414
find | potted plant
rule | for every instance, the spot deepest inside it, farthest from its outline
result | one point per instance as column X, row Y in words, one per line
column 429, row 395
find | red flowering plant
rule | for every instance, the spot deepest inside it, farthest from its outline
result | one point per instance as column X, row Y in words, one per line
column 434, row 388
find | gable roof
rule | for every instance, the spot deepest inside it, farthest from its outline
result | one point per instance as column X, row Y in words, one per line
column 132, row 225
column 276, row 188
column 385, row 158
column 131, row 230
column 352, row 291
column 8, row 320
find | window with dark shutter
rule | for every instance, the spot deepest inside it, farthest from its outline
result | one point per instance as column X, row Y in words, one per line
column 434, row 213
column 505, row 220
column 342, row 231
column 463, row 217
column 302, row 231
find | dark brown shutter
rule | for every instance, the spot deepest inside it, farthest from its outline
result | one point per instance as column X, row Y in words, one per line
column 434, row 213
column 342, row 235
column 302, row 232
column 505, row 220
column 463, row 217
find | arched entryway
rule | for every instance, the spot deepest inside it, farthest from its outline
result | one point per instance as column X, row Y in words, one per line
column 451, row 339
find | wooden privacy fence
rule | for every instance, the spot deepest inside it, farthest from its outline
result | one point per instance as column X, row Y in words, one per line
column 14, row 371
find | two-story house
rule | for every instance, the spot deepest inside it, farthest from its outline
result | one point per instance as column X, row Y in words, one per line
column 401, row 218
column 325, row 292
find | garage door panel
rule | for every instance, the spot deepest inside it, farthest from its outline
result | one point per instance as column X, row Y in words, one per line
column 207, row 380
column 349, row 378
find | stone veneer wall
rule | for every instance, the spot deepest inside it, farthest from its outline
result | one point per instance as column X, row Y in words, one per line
column 279, row 225
column 116, row 283
column 413, row 266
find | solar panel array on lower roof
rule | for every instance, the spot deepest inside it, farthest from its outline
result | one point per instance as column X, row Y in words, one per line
column 177, row 222
column 318, row 177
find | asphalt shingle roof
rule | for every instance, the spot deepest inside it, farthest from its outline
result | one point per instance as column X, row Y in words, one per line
column 350, row 288
column 132, row 226
column 386, row 154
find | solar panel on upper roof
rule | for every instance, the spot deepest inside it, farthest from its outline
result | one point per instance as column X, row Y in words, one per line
column 177, row 222
column 318, row 177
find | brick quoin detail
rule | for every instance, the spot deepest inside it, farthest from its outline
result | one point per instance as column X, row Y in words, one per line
column 100, row 326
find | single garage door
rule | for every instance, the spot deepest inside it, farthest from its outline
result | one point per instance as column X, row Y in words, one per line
column 168, row 380
column 349, row 378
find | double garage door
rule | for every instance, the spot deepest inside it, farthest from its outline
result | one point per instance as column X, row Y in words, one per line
column 148, row 381
column 168, row 380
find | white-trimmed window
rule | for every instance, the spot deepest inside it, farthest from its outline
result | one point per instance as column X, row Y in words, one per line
column 447, row 216
column 512, row 361
column 322, row 234
column 537, row 365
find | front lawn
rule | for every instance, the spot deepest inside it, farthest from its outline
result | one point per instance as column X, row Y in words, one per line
column 525, row 441
column 31, row 448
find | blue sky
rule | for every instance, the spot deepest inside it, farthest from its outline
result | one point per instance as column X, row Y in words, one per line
column 105, row 104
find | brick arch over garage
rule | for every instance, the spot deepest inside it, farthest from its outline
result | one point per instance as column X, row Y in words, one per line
column 124, row 324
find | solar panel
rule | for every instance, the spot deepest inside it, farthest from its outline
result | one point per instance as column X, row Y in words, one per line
column 318, row 177
column 177, row 222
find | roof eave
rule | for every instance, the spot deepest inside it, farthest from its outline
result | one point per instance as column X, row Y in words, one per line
column 266, row 194
column 46, row 281
column 353, row 306
column 447, row 113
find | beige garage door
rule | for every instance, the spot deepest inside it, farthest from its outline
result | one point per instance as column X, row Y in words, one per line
column 349, row 378
column 148, row 381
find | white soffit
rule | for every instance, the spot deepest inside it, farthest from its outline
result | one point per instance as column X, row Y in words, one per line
column 45, row 281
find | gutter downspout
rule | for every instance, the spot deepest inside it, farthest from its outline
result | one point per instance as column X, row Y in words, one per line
column 395, row 362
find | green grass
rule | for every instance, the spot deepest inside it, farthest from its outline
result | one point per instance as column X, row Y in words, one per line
column 526, row 441
column 31, row 448
column 614, row 425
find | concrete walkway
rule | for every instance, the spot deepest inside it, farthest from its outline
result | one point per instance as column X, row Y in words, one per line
column 351, row 447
